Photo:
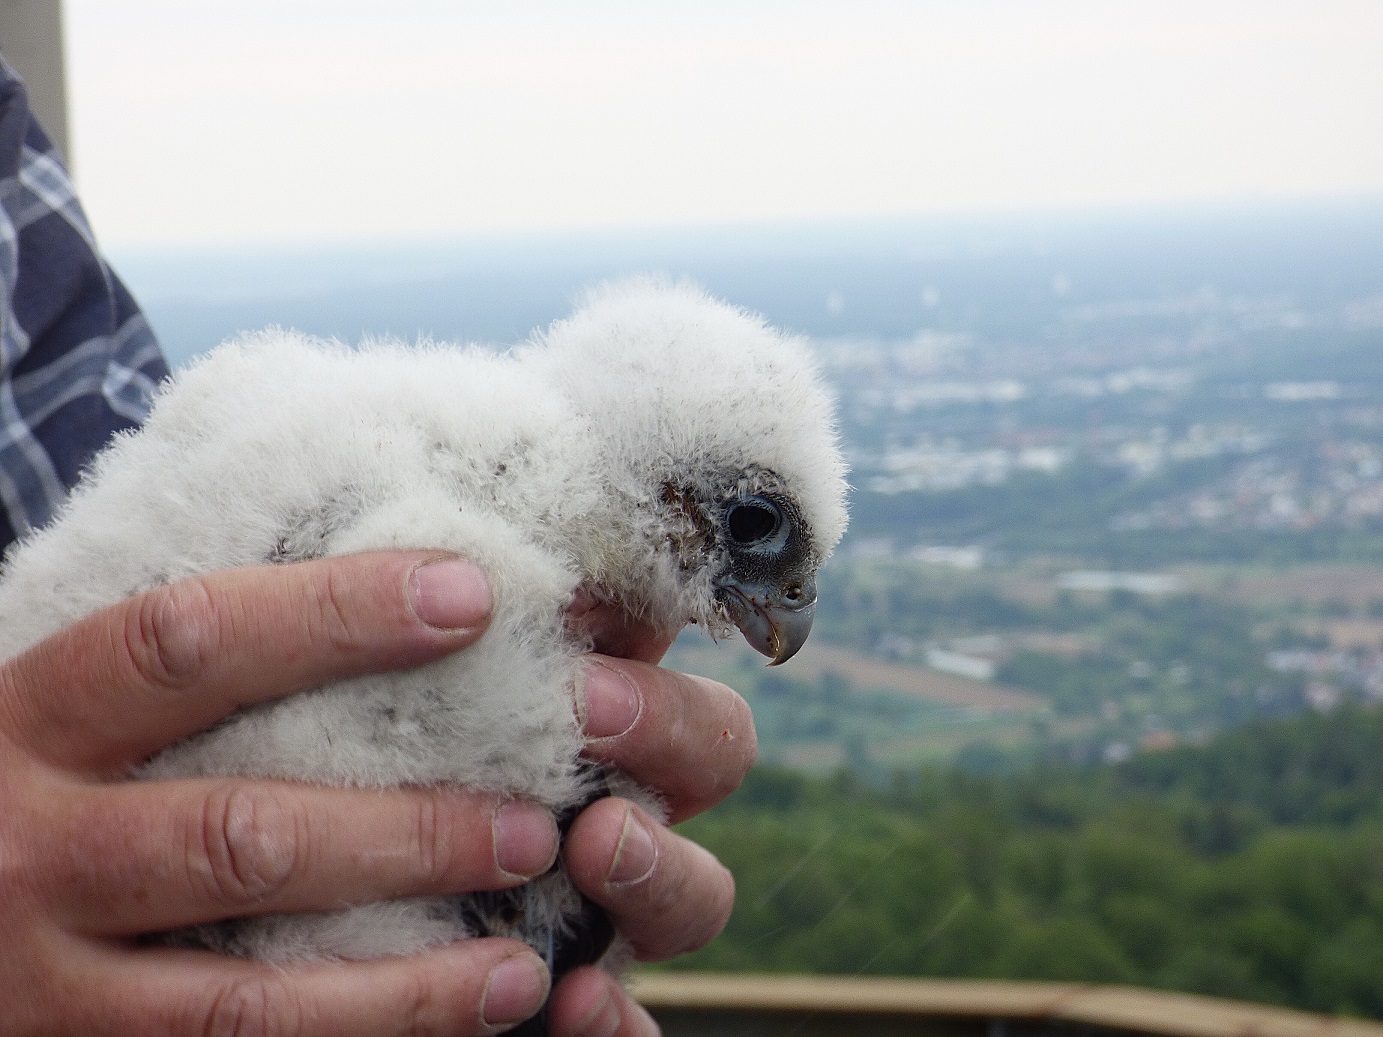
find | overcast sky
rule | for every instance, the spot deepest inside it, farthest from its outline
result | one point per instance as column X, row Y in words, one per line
column 315, row 120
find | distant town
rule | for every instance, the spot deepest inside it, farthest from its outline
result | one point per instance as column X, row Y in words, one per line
column 1075, row 501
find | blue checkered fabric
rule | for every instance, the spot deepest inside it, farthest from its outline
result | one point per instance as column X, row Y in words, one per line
column 78, row 362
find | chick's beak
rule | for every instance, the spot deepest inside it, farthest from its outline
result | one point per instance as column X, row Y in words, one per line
column 774, row 620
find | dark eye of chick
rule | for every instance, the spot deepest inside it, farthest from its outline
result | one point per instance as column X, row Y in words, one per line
column 753, row 521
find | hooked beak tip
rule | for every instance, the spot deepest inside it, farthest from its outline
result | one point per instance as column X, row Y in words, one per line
column 772, row 626
column 789, row 633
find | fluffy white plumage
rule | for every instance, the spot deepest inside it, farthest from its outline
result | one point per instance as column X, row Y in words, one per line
column 593, row 458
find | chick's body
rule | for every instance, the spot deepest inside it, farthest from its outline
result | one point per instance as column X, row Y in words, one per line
column 598, row 458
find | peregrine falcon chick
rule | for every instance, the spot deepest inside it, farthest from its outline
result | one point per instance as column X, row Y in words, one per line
column 658, row 451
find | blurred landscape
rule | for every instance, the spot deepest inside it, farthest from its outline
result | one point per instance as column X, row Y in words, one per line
column 1095, row 687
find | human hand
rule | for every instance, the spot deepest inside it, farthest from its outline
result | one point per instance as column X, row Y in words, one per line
column 693, row 741
column 89, row 860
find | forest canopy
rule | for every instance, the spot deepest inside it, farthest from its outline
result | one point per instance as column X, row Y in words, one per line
column 1250, row 867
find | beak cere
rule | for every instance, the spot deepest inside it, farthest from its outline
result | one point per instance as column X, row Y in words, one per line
column 774, row 620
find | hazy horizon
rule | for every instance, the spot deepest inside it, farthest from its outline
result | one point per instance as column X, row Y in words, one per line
column 828, row 279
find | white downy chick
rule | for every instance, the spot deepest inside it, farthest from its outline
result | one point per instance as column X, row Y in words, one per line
column 658, row 450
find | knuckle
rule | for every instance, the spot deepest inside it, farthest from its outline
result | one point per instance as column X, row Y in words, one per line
column 263, row 1006
column 334, row 617
column 17, row 833
column 421, row 1012
column 170, row 632
column 248, row 845
column 718, row 917
column 668, row 894
column 734, row 747
column 744, row 747
column 434, row 849
column 694, row 904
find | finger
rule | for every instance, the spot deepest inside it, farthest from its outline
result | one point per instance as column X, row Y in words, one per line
column 473, row 987
column 666, row 895
column 151, row 856
column 688, row 737
column 591, row 1003
column 131, row 679
column 613, row 631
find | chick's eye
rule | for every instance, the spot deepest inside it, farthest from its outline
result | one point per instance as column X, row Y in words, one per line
column 753, row 521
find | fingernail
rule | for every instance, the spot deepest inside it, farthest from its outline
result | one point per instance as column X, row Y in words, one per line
column 525, row 838
column 450, row 593
column 610, row 704
column 516, row 990
column 636, row 854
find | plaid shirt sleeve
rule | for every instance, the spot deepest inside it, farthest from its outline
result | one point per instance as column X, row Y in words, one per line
column 78, row 362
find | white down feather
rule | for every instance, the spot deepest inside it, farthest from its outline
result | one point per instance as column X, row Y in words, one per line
column 542, row 464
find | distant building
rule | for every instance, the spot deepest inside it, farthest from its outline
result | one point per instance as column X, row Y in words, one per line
column 1134, row 583
column 971, row 666
column 971, row 557
column 1296, row 392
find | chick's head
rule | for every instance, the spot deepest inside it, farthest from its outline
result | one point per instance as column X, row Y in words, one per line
column 759, row 555
column 715, row 442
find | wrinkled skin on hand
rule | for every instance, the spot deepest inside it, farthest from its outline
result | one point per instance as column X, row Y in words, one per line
column 90, row 860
